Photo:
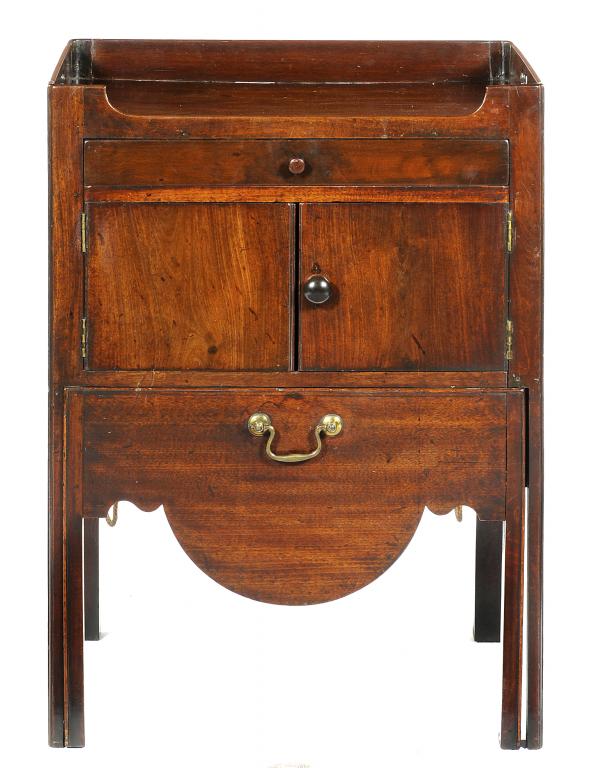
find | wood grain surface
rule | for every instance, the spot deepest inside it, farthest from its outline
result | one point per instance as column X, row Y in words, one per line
column 73, row 575
column 193, row 99
column 293, row 194
column 196, row 287
column 199, row 241
column 65, row 311
column 295, row 533
column 418, row 162
column 416, row 287
column 293, row 379
column 526, row 369
column 513, row 603
column 303, row 60
column 104, row 120
column 191, row 89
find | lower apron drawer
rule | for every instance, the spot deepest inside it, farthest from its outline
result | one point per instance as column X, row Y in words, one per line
column 294, row 496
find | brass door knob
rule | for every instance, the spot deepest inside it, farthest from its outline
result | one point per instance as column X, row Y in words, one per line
column 317, row 289
column 296, row 165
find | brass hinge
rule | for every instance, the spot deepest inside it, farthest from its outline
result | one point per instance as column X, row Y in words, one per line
column 509, row 340
column 83, row 231
column 84, row 338
column 509, row 232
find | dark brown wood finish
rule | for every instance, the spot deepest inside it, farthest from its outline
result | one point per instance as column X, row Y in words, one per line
column 513, row 608
column 526, row 369
column 103, row 120
column 91, row 579
column 186, row 285
column 294, row 194
column 487, row 584
column 442, row 75
column 535, row 567
column 189, row 286
column 191, row 99
column 367, row 85
column 73, row 625
column 65, row 161
column 416, row 287
column 356, row 379
column 252, row 523
column 519, row 71
column 380, row 162
column 339, row 61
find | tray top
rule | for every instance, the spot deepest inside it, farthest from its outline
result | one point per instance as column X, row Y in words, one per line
column 292, row 79
column 102, row 61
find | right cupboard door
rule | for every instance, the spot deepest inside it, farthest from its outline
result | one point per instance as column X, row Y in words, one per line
column 415, row 286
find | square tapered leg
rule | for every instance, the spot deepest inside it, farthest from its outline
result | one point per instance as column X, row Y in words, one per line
column 513, row 609
column 91, row 579
column 488, row 576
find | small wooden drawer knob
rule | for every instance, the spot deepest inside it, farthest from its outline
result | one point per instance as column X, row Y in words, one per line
column 317, row 289
column 296, row 165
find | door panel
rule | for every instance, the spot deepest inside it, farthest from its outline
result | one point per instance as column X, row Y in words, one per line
column 189, row 286
column 416, row 286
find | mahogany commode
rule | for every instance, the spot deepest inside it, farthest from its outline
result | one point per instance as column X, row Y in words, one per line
column 289, row 270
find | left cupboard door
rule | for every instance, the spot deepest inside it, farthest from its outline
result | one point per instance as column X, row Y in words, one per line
column 189, row 286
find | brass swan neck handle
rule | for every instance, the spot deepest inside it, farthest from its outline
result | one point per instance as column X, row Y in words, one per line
column 260, row 424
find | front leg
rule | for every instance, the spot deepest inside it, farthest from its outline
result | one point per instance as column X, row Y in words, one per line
column 56, row 583
column 535, row 568
column 514, row 578
column 73, row 644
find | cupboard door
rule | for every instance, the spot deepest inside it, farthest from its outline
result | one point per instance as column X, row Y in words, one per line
column 189, row 286
column 414, row 286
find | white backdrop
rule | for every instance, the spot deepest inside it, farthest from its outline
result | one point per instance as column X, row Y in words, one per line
column 189, row 674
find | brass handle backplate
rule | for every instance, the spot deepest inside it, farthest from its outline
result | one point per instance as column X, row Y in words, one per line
column 260, row 424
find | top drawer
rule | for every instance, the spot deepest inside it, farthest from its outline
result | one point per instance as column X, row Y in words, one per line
column 296, row 162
